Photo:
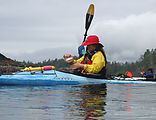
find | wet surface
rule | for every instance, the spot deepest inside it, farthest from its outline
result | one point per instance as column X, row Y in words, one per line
column 93, row 102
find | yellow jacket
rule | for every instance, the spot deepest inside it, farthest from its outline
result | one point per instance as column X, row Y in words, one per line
column 98, row 62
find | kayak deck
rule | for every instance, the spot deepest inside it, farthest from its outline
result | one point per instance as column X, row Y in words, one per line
column 52, row 77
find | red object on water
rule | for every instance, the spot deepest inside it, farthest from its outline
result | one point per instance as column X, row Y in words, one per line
column 128, row 74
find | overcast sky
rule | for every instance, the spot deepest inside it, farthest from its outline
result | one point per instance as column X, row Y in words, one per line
column 36, row 30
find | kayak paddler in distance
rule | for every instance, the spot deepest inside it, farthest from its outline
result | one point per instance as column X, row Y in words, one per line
column 128, row 74
column 93, row 62
column 149, row 74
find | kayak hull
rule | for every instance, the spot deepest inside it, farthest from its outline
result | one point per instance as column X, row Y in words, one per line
column 50, row 78
column 46, row 79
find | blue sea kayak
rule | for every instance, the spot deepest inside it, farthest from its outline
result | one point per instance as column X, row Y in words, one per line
column 52, row 77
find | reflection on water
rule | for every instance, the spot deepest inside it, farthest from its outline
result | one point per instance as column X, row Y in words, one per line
column 49, row 103
column 128, row 97
column 93, row 102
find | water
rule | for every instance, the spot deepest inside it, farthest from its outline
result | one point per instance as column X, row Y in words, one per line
column 94, row 102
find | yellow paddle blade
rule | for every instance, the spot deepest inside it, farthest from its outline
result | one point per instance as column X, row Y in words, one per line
column 89, row 17
column 91, row 9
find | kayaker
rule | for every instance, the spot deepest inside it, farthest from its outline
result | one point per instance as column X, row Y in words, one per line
column 149, row 74
column 128, row 74
column 94, row 61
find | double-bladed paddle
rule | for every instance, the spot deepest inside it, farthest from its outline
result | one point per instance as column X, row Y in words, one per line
column 89, row 17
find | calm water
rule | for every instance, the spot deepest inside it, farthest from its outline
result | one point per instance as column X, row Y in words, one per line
column 96, row 102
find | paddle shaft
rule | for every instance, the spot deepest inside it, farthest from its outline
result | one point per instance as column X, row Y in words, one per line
column 85, row 35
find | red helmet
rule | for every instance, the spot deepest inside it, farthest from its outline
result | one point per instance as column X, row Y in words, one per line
column 92, row 39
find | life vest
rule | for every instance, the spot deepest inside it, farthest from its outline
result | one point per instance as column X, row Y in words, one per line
column 87, row 60
column 128, row 74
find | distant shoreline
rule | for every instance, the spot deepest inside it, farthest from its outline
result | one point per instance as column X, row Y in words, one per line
column 9, row 69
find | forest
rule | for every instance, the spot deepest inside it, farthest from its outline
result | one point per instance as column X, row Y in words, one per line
column 146, row 61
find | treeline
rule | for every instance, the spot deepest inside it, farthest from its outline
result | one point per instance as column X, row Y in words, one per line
column 58, row 63
column 147, row 60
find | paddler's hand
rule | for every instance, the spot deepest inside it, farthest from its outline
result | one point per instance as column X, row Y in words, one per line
column 76, row 65
column 67, row 56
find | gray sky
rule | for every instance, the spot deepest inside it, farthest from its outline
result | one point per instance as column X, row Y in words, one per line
column 36, row 30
